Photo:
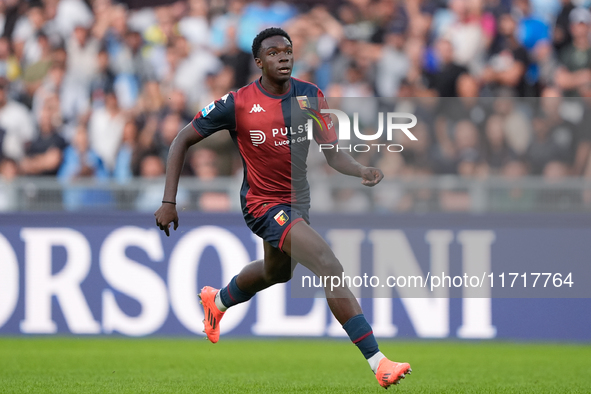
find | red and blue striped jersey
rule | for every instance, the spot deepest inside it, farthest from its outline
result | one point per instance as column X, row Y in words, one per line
column 271, row 135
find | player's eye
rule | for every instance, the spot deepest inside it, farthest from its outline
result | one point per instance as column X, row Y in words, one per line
column 289, row 51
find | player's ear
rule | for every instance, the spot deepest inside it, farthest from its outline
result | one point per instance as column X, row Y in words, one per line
column 258, row 62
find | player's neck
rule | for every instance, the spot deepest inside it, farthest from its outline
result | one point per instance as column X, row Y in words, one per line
column 275, row 88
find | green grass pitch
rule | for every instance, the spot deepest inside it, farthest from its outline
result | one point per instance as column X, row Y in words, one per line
column 121, row 365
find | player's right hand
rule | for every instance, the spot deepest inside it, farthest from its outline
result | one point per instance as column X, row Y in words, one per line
column 165, row 215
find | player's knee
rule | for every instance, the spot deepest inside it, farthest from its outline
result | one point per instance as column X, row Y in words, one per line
column 326, row 264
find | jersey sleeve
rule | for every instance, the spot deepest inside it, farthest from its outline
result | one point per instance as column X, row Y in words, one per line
column 218, row 115
column 327, row 133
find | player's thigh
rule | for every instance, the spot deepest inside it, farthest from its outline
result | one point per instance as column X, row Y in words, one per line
column 307, row 247
column 277, row 264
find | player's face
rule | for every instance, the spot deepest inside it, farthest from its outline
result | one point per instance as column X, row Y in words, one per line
column 276, row 58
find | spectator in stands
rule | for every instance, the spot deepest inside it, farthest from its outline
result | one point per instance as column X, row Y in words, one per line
column 126, row 164
column 559, row 199
column 554, row 137
column 466, row 35
column 356, row 48
column 467, row 148
column 418, row 155
column 177, row 104
column 531, row 29
column 193, row 68
column 257, row 15
column 508, row 61
column 44, row 155
column 391, row 196
column 8, row 191
column 162, row 31
column 81, row 162
column 205, row 165
column 517, row 198
column 467, row 105
column 546, row 64
column 2, row 135
column 73, row 98
column 167, row 131
column 72, row 13
column 393, row 64
column 517, row 121
column 355, row 85
column 232, row 56
column 25, row 34
column 582, row 158
column 114, row 39
column 216, row 85
column 105, row 130
column 443, row 82
column 152, row 172
column 444, row 153
column 130, row 58
column 16, row 120
column 221, row 25
column 343, row 58
column 103, row 80
column 51, row 28
column 561, row 36
column 497, row 152
column 194, row 26
column 151, row 167
column 9, row 64
column 35, row 72
column 83, row 49
column 575, row 58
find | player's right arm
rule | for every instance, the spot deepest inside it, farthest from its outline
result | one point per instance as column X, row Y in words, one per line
column 167, row 214
column 218, row 115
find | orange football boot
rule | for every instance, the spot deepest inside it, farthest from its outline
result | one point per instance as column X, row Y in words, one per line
column 212, row 314
column 390, row 373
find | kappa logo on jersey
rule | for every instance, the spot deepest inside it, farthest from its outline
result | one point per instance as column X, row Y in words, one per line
column 207, row 109
column 257, row 137
column 281, row 217
column 257, row 108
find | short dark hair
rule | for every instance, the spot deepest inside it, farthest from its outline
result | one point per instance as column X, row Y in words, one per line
column 270, row 32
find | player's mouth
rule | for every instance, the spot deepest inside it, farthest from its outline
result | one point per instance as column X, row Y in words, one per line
column 284, row 70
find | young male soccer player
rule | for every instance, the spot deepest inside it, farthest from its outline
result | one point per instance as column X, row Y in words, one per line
column 275, row 195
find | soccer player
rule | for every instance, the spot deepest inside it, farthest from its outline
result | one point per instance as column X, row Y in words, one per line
column 275, row 196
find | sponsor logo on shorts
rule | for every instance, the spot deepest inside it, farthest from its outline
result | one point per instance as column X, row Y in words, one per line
column 281, row 217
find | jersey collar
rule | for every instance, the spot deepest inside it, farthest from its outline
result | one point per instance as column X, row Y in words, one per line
column 269, row 94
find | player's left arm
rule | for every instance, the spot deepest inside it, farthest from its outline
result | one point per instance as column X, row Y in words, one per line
column 346, row 164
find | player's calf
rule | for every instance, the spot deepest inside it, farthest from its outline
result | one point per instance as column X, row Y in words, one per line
column 278, row 276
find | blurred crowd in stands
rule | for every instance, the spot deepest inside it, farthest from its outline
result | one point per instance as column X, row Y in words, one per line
column 99, row 88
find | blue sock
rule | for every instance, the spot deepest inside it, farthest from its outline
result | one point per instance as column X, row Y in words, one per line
column 232, row 295
column 361, row 334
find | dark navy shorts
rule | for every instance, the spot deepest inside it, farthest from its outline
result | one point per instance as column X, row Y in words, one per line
column 274, row 225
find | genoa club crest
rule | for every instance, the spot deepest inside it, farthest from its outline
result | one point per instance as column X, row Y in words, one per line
column 281, row 217
column 303, row 101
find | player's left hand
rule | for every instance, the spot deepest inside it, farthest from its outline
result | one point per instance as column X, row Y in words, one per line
column 371, row 176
